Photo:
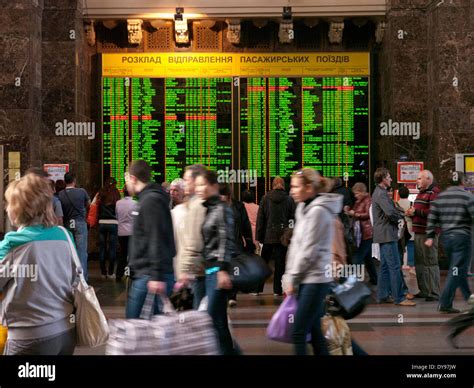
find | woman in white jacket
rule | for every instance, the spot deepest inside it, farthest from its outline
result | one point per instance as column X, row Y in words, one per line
column 309, row 257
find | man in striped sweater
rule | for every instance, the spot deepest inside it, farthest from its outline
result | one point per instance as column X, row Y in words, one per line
column 426, row 258
column 453, row 211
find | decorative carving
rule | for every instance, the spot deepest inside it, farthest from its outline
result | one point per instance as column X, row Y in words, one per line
column 380, row 31
column 90, row 33
column 335, row 32
column 233, row 31
column 135, row 33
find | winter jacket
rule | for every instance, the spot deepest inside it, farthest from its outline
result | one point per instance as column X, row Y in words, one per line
column 386, row 217
column 309, row 258
column 276, row 210
column 38, row 300
column 361, row 209
column 152, row 248
column 243, row 240
column 218, row 234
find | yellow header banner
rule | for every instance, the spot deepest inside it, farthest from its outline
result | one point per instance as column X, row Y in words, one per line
column 230, row 64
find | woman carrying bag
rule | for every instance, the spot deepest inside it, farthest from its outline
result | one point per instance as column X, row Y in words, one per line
column 310, row 256
column 38, row 307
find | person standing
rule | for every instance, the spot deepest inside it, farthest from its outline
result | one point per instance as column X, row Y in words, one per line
column 426, row 258
column 385, row 232
column 453, row 211
column 152, row 245
column 360, row 212
column 275, row 214
column 409, row 243
column 252, row 211
column 108, row 226
column 309, row 256
column 218, row 235
column 75, row 203
column 124, row 209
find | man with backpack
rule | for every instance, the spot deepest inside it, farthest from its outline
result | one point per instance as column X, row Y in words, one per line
column 75, row 203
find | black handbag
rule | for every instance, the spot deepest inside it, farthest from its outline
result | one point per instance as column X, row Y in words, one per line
column 348, row 299
column 248, row 271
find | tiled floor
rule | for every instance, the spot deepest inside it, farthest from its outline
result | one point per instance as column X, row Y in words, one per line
column 380, row 329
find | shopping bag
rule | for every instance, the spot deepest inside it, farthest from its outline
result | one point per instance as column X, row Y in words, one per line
column 184, row 333
column 281, row 325
column 338, row 335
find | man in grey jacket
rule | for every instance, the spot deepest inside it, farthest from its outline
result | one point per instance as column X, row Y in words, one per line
column 386, row 220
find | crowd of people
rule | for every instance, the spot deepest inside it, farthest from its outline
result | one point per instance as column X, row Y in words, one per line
column 184, row 235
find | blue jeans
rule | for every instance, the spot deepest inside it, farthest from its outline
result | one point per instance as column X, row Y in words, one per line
column 217, row 309
column 80, row 238
column 308, row 319
column 198, row 286
column 137, row 295
column 411, row 253
column 110, row 231
column 458, row 250
column 363, row 256
column 390, row 280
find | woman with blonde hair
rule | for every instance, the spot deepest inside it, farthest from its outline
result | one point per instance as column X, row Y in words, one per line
column 310, row 256
column 37, row 274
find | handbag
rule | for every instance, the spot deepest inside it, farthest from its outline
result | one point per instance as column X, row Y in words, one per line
column 91, row 325
column 248, row 272
column 348, row 299
column 185, row 333
column 93, row 215
column 338, row 335
column 3, row 338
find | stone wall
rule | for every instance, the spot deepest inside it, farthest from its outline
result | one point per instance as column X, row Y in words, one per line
column 415, row 83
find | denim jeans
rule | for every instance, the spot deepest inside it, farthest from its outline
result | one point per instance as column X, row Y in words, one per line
column 308, row 319
column 79, row 231
column 198, row 286
column 138, row 292
column 458, row 250
column 217, row 309
column 276, row 252
column 390, row 281
column 363, row 255
column 108, row 231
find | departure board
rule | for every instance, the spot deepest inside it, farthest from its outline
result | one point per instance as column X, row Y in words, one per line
column 168, row 122
column 270, row 125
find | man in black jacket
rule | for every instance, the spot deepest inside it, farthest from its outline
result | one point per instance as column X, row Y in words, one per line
column 275, row 214
column 152, row 247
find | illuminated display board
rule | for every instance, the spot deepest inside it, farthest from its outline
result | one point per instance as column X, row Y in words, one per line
column 279, row 123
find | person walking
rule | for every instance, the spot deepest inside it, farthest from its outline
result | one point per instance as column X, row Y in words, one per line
column 218, row 235
column 385, row 233
column 38, row 308
column 152, row 245
column 189, row 258
column 453, row 211
column 309, row 256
